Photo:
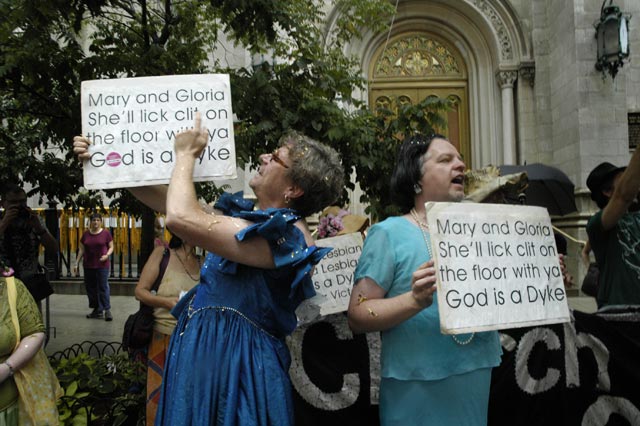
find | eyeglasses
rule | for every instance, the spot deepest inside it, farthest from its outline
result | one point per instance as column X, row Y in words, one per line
column 275, row 157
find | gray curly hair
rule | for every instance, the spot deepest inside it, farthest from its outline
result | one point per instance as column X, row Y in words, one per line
column 316, row 168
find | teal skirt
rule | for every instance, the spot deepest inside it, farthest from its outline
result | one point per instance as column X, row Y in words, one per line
column 461, row 400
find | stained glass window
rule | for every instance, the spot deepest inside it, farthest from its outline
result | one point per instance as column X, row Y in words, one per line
column 416, row 56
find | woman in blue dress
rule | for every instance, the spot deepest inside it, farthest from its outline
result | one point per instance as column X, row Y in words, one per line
column 427, row 378
column 228, row 361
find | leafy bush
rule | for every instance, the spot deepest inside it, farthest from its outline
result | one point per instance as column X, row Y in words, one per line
column 105, row 390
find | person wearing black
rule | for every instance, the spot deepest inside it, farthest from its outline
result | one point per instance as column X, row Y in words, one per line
column 21, row 233
column 614, row 231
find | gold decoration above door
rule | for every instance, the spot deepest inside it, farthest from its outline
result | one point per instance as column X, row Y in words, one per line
column 419, row 65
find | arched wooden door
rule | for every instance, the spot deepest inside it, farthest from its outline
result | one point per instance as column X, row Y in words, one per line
column 414, row 66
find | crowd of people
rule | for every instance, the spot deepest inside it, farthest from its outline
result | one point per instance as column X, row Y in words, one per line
column 218, row 354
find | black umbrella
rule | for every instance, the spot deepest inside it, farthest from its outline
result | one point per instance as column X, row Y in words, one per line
column 548, row 187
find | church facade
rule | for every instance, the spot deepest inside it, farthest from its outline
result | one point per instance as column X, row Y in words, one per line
column 522, row 75
column 523, row 79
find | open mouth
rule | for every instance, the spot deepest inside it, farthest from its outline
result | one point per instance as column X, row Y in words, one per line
column 458, row 180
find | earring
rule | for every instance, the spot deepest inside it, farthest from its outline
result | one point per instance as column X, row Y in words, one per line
column 417, row 188
column 286, row 199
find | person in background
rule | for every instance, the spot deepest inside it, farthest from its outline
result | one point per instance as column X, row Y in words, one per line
column 13, row 358
column 590, row 280
column 96, row 245
column 158, row 233
column 561, row 245
column 426, row 377
column 614, row 231
column 21, row 233
column 585, row 253
column 181, row 275
column 228, row 360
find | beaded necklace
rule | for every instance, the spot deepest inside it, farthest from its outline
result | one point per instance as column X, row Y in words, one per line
column 424, row 227
column 185, row 267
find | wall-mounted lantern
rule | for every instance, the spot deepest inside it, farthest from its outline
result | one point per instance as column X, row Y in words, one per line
column 612, row 35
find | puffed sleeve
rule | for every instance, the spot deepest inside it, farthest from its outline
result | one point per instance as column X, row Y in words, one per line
column 230, row 204
column 28, row 314
column 288, row 245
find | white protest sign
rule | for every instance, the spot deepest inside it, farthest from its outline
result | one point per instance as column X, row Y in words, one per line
column 333, row 275
column 497, row 267
column 132, row 123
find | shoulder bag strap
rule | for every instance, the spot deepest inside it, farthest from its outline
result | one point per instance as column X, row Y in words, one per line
column 12, row 294
column 163, row 267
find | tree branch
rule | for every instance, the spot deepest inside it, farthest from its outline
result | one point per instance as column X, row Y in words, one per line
column 168, row 21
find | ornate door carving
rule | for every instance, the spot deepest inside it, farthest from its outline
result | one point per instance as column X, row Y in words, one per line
column 418, row 65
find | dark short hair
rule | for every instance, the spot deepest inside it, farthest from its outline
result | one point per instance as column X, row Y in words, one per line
column 95, row 216
column 175, row 242
column 408, row 169
column 11, row 188
column 601, row 179
column 317, row 169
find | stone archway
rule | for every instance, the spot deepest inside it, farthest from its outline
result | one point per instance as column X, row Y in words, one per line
column 490, row 42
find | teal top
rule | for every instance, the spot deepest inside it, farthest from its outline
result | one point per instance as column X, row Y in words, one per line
column 617, row 253
column 416, row 349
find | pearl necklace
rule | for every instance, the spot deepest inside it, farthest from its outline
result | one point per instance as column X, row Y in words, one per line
column 425, row 230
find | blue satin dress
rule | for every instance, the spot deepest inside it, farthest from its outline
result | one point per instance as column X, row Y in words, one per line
column 228, row 361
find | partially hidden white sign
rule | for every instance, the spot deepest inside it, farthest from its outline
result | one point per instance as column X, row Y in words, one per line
column 497, row 267
column 132, row 124
column 333, row 275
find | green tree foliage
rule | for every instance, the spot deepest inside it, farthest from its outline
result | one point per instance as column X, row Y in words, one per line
column 389, row 128
column 300, row 79
column 48, row 48
column 37, row 96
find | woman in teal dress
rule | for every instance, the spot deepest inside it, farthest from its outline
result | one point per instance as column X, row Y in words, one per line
column 228, row 361
column 427, row 378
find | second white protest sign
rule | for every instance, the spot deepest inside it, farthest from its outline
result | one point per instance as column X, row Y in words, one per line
column 333, row 276
column 497, row 267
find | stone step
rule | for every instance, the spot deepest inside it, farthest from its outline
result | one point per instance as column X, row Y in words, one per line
column 118, row 287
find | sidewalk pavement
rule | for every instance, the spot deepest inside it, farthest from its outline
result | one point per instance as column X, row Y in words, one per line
column 68, row 323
